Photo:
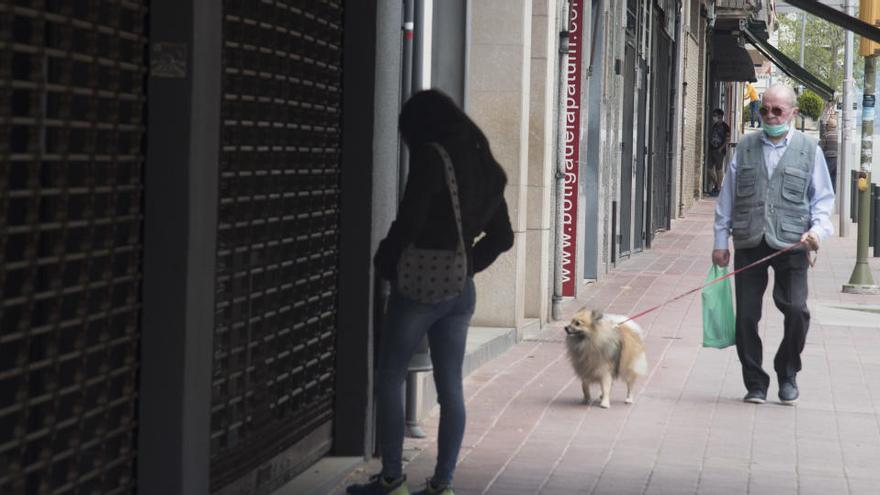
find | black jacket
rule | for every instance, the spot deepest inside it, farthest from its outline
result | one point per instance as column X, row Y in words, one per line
column 425, row 215
column 720, row 133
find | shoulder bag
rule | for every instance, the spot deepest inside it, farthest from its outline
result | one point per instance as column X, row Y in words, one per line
column 435, row 275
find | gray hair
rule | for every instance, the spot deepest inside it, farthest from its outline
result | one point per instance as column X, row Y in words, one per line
column 786, row 90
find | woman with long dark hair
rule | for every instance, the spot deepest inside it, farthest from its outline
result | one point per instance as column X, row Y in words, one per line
column 454, row 193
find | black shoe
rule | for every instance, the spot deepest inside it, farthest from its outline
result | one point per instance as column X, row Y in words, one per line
column 757, row 396
column 378, row 485
column 788, row 390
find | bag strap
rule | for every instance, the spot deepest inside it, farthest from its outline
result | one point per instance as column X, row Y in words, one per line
column 449, row 172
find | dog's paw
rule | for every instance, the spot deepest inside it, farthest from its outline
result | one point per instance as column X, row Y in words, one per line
column 605, row 404
column 629, row 400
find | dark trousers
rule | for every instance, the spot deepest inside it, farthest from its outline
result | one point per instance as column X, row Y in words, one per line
column 790, row 296
column 716, row 168
column 831, row 161
column 407, row 322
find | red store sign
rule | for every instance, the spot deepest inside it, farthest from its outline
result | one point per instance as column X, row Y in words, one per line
column 572, row 152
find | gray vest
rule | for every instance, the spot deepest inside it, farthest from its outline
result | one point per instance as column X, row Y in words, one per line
column 777, row 208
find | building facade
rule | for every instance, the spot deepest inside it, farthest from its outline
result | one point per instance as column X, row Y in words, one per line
column 191, row 194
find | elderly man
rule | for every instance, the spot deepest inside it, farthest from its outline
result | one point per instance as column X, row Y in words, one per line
column 776, row 193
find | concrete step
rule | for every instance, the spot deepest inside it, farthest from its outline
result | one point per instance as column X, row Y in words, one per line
column 321, row 477
column 483, row 344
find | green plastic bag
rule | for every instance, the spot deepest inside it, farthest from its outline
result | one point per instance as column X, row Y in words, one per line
column 719, row 322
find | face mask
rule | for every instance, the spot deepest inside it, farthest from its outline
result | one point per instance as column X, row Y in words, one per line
column 775, row 130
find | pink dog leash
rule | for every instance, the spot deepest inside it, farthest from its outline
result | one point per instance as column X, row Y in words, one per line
column 719, row 279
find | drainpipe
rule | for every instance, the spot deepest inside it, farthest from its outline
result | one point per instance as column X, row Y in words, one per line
column 388, row 177
column 845, row 125
column 677, row 106
column 556, row 309
column 413, row 44
column 681, row 106
column 684, row 90
column 406, row 84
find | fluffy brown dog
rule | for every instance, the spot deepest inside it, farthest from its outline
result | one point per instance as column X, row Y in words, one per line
column 600, row 351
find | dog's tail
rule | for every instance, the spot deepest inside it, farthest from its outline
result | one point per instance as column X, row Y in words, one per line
column 632, row 325
column 640, row 367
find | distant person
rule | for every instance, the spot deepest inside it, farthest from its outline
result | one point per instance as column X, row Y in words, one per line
column 719, row 137
column 454, row 195
column 829, row 143
column 754, row 103
column 777, row 194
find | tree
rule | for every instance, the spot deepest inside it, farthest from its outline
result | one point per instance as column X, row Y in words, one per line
column 810, row 104
column 823, row 48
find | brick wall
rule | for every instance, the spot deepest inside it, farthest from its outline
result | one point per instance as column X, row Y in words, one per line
column 691, row 124
column 700, row 134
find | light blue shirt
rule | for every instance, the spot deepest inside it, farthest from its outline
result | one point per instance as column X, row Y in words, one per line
column 820, row 192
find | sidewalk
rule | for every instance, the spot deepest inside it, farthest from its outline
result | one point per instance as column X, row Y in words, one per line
column 688, row 431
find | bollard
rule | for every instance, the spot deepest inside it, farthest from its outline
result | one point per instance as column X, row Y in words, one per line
column 875, row 221
column 853, row 196
column 872, row 217
column 419, row 363
column 614, row 243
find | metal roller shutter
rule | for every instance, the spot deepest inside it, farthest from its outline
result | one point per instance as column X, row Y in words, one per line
column 278, row 234
column 72, row 122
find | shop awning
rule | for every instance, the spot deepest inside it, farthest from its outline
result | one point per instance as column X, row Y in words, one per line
column 731, row 62
column 789, row 66
column 835, row 16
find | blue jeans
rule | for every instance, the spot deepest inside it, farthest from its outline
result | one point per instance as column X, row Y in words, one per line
column 407, row 322
column 754, row 114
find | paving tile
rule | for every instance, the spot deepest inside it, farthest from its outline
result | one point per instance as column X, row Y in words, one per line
column 819, row 456
column 863, row 486
column 858, row 428
column 723, row 481
column 519, row 480
column 773, row 481
column 561, row 488
column 819, row 484
column 623, row 480
column 673, row 480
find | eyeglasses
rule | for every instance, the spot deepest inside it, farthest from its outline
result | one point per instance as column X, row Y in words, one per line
column 777, row 111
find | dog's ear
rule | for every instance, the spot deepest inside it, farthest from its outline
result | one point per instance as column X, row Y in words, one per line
column 597, row 315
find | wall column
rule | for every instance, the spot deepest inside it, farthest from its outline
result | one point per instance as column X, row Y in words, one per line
column 541, row 158
column 498, row 100
column 371, row 74
column 180, row 235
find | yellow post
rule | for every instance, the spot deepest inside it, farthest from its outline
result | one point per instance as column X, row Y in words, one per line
column 869, row 11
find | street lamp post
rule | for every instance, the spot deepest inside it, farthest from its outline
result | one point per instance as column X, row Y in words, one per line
column 861, row 281
column 846, row 129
